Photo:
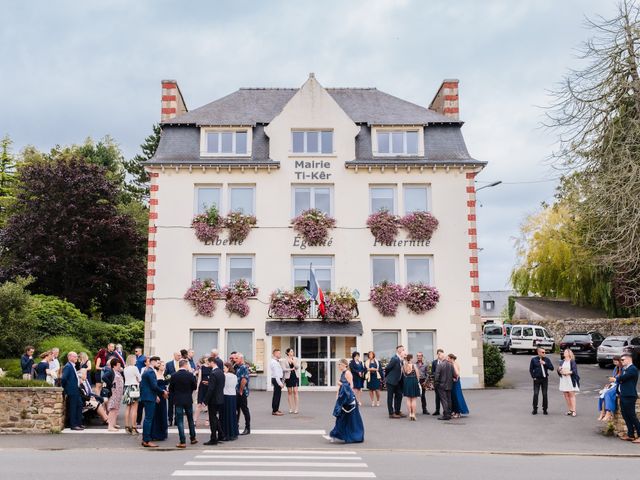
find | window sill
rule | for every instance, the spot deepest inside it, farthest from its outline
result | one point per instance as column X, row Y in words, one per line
column 308, row 155
column 225, row 155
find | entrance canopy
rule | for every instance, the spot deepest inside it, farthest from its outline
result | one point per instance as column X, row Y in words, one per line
column 292, row 328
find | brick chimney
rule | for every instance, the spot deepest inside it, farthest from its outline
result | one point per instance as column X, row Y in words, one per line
column 446, row 100
column 172, row 101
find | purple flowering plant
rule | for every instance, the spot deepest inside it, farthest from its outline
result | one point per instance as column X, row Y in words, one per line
column 314, row 226
column 285, row 304
column 239, row 225
column 420, row 225
column 384, row 226
column 203, row 296
column 208, row 224
column 386, row 297
column 341, row 306
column 420, row 298
column 236, row 296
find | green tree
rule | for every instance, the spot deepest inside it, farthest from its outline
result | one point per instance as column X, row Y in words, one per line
column 16, row 329
column 138, row 179
column 7, row 177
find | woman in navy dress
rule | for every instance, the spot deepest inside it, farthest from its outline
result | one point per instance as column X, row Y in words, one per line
column 410, row 386
column 349, row 427
column 160, row 425
column 203, row 383
column 357, row 369
column 42, row 369
column 458, row 404
column 230, row 410
column 373, row 377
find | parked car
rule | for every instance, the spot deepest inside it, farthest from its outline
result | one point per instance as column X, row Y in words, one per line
column 497, row 335
column 617, row 345
column 584, row 345
column 527, row 338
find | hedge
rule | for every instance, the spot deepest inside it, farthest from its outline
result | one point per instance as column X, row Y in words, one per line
column 66, row 344
column 18, row 382
column 494, row 367
column 11, row 367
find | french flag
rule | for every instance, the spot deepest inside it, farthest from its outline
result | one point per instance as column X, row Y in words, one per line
column 315, row 292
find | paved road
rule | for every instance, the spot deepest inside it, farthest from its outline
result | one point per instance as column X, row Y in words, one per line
column 500, row 436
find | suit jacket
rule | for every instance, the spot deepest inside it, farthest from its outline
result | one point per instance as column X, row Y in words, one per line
column 149, row 389
column 171, row 368
column 215, row 391
column 69, row 381
column 181, row 386
column 443, row 377
column 535, row 368
column 627, row 381
column 26, row 364
column 393, row 371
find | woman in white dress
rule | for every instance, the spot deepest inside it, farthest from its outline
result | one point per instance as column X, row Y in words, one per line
column 569, row 380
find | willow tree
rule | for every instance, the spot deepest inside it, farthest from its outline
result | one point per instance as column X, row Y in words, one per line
column 596, row 113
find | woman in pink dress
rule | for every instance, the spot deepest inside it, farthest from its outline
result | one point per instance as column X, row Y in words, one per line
column 117, row 390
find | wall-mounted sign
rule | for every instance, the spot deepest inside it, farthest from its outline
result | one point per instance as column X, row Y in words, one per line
column 312, row 170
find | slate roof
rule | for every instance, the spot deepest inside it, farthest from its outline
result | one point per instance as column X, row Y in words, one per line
column 251, row 106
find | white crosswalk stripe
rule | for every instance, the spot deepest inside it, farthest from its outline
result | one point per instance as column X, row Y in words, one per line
column 257, row 463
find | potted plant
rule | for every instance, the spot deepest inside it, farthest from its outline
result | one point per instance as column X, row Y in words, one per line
column 239, row 226
column 341, row 306
column 236, row 296
column 384, row 226
column 203, row 296
column 420, row 225
column 386, row 297
column 313, row 225
column 420, row 298
column 207, row 225
column 285, row 304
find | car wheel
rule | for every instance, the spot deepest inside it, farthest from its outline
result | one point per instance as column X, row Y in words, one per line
column 513, row 351
column 602, row 364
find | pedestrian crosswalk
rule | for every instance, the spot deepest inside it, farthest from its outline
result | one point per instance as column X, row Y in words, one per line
column 257, row 463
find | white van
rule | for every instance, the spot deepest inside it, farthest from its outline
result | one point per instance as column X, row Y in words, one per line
column 526, row 338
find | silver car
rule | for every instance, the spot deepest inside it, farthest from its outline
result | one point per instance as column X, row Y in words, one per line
column 616, row 345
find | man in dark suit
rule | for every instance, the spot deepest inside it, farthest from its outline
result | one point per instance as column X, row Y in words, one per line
column 440, row 357
column 628, row 381
column 171, row 368
column 181, row 386
column 539, row 368
column 71, row 388
column 443, row 380
column 393, row 381
column 150, row 394
column 215, row 401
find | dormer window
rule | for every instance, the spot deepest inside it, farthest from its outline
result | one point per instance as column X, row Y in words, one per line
column 319, row 142
column 225, row 142
column 397, row 142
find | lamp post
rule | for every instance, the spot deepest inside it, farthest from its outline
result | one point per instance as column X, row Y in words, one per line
column 489, row 185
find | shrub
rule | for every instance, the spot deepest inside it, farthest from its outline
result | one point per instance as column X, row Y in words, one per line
column 97, row 334
column 19, row 382
column 314, row 226
column 203, row 296
column 386, row 297
column 122, row 319
column 494, row 367
column 284, row 304
column 208, row 225
column 239, row 225
column 383, row 226
column 11, row 367
column 420, row 225
column 53, row 316
column 65, row 344
column 420, row 298
column 16, row 329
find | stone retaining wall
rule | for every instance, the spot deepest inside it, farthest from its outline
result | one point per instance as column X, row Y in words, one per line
column 31, row 410
column 606, row 326
column 619, row 427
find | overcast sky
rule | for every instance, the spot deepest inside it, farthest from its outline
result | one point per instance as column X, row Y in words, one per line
column 70, row 70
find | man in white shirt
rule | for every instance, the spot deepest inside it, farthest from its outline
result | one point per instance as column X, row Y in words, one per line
column 275, row 370
column 54, row 367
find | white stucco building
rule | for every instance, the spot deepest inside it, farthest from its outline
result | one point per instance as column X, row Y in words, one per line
column 345, row 151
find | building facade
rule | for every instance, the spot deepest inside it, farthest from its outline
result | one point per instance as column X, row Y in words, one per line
column 347, row 152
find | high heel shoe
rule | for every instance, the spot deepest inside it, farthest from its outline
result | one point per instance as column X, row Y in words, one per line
column 128, row 430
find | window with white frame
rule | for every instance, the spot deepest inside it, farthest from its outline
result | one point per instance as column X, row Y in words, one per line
column 385, row 343
column 242, row 199
column 240, row 341
column 322, row 270
column 306, row 197
column 397, row 142
column 312, row 141
column 418, row 269
column 383, row 269
column 225, row 142
column 382, row 197
column 240, row 267
column 206, row 267
column 416, row 198
column 421, row 341
column 203, row 341
column 207, row 196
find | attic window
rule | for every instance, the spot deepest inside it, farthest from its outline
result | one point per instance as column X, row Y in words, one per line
column 312, row 141
column 219, row 142
column 397, row 142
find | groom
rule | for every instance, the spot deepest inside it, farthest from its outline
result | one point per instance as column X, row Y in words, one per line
column 393, row 381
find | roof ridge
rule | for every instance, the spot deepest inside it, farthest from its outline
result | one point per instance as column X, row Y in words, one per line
column 268, row 88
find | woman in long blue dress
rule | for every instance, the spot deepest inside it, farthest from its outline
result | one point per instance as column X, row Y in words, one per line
column 458, row 404
column 357, row 369
column 607, row 398
column 229, row 412
column 160, row 424
column 349, row 427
